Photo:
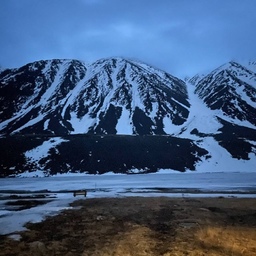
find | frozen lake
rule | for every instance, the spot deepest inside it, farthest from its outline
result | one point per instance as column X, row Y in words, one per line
column 115, row 185
column 55, row 193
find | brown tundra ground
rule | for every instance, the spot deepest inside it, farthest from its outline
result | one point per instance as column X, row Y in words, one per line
column 143, row 226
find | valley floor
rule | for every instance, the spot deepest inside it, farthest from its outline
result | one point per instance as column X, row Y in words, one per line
column 143, row 226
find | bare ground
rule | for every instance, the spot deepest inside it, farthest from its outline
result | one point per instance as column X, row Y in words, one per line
column 143, row 226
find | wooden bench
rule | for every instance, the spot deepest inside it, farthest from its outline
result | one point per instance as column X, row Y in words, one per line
column 80, row 192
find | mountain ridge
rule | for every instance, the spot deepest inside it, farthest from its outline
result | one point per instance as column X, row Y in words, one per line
column 119, row 87
column 214, row 113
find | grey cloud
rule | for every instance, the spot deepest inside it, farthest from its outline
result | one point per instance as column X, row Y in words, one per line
column 179, row 36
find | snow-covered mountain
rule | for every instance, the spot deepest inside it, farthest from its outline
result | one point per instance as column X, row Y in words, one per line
column 47, row 106
column 223, row 116
column 110, row 96
column 231, row 89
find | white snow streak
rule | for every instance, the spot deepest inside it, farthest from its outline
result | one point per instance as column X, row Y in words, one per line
column 123, row 125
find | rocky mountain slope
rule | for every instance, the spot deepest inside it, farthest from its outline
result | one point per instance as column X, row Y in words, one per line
column 64, row 115
column 110, row 96
column 231, row 89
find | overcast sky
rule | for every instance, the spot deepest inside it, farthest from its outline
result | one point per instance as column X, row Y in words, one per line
column 182, row 37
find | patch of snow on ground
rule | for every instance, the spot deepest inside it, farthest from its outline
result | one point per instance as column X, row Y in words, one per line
column 33, row 174
column 41, row 151
column 14, row 221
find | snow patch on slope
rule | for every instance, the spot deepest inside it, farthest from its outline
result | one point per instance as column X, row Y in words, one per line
column 169, row 127
column 81, row 125
column 221, row 160
column 124, row 124
column 200, row 117
column 35, row 154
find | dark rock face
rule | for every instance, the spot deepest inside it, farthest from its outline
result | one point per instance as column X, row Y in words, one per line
column 239, row 141
column 98, row 154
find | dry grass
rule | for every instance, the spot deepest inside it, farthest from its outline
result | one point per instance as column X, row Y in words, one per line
column 228, row 240
column 143, row 227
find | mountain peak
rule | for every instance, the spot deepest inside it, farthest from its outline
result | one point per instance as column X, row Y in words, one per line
column 230, row 88
column 57, row 96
